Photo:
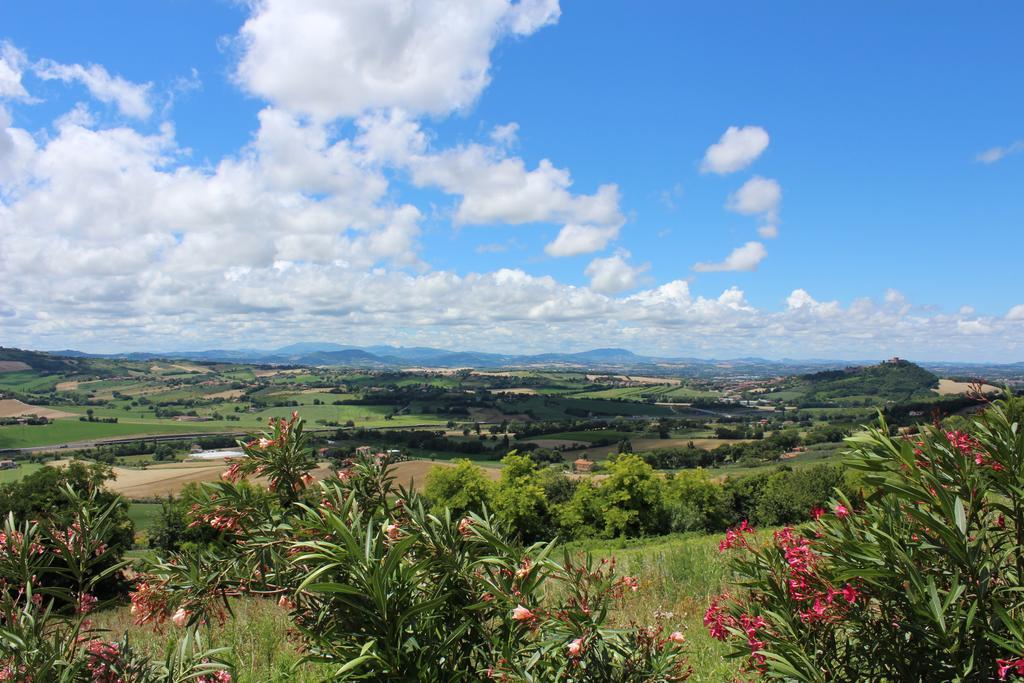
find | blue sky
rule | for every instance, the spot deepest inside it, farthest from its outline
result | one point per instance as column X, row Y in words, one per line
column 878, row 146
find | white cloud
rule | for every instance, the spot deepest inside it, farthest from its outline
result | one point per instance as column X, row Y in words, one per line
column 573, row 240
column 132, row 99
column 768, row 231
column 494, row 187
column 613, row 274
column 505, row 135
column 973, row 327
column 425, row 56
column 994, row 154
column 735, row 150
column 12, row 63
column 757, row 196
column 1016, row 313
column 746, row 257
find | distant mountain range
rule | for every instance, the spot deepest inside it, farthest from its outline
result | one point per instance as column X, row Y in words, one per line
column 383, row 357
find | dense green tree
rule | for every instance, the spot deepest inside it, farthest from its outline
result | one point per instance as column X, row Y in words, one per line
column 462, row 488
column 520, row 501
column 695, row 502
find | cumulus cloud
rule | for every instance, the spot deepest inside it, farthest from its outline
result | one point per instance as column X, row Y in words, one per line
column 12, row 64
column 768, row 231
column 339, row 59
column 131, row 99
column 613, row 274
column 757, row 196
column 494, row 187
column 1016, row 313
column 746, row 257
column 994, row 154
column 735, row 150
column 573, row 240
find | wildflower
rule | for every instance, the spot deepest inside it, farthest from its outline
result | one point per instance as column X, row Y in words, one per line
column 841, row 511
column 677, row 637
column 575, row 647
column 180, row 617
column 520, row 613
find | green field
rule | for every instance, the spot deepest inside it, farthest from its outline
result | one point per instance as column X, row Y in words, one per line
column 68, row 430
column 668, row 393
column 26, row 468
column 143, row 515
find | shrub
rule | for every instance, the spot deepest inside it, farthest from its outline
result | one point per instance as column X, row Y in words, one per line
column 42, row 496
column 386, row 591
column 45, row 631
column 921, row 582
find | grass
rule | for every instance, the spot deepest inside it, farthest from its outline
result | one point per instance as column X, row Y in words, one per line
column 256, row 638
column 678, row 575
column 143, row 515
column 9, row 476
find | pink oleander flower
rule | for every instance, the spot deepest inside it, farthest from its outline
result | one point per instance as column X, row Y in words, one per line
column 817, row 513
column 631, row 582
column 86, row 603
column 734, row 537
column 286, row 603
column 393, row 532
column 521, row 613
column 180, row 617
column 307, row 479
column 232, row 473
column 1008, row 665
column 841, row 511
column 264, row 442
column 677, row 637
column 466, row 527
column 575, row 647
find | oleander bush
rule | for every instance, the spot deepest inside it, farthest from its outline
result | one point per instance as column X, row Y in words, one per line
column 921, row 581
column 383, row 588
column 49, row 576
